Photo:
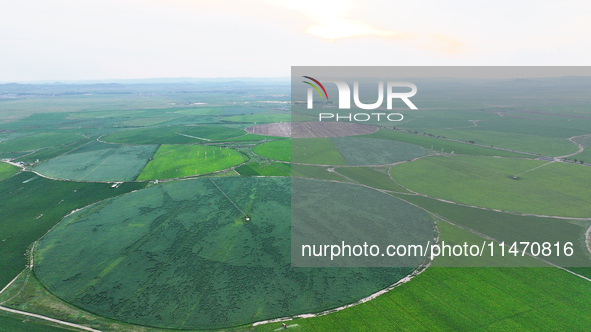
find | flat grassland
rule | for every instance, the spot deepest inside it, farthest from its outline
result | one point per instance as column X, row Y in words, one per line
column 173, row 135
column 177, row 161
column 542, row 187
column 99, row 162
column 276, row 150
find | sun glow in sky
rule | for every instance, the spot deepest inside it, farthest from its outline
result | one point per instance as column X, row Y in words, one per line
column 112, row 39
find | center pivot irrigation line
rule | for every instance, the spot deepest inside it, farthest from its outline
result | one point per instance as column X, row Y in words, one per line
column 228, row 198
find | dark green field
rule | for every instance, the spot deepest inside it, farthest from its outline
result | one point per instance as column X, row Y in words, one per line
column 179, row 255
column 41, row 204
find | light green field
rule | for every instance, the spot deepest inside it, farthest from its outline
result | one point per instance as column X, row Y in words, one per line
column 38, row 141
column 276, row 150
column 7, row 170
column 546, row 146
column 315, row 151
column 556, row 189
column 177, row 161
column 302, row 150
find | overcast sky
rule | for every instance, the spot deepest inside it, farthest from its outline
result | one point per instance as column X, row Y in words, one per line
column 116, row 39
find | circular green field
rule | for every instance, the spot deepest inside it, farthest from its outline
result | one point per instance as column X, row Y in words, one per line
column 353, row 151
column 181, row 255
column 173, row 135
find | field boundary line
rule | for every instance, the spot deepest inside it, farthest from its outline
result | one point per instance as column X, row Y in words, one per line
column 587, row 239
column 580, row 146
column 24, row 313
column 11, row 282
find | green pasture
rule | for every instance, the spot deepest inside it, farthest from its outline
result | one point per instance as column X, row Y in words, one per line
column 177, row 161
column 541, row 187
column 276, row 150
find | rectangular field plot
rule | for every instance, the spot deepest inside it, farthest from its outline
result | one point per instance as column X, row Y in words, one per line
column 99, row 162
column 177, row 161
